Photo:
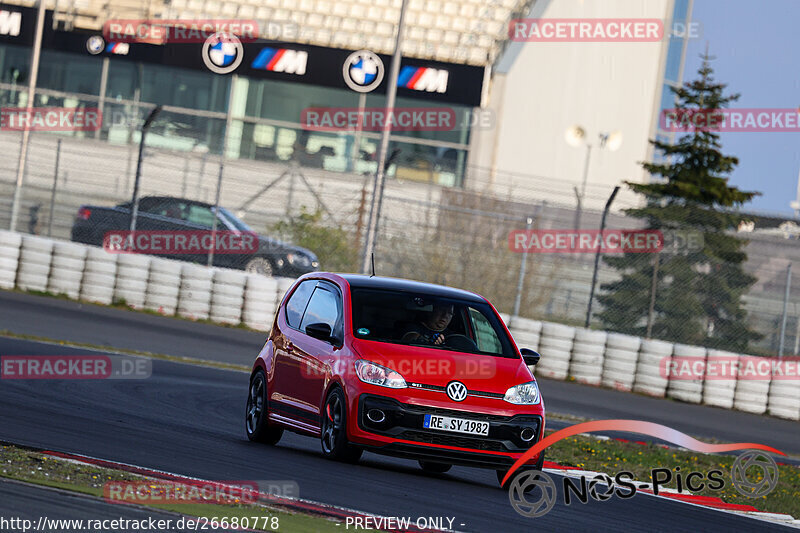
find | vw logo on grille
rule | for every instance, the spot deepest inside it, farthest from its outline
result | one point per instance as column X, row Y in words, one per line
column 456, row 391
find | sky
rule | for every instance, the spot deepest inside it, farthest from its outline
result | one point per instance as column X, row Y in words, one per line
column 757, row 50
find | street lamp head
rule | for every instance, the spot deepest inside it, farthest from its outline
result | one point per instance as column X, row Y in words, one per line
column 575, row 135
column 613, row 141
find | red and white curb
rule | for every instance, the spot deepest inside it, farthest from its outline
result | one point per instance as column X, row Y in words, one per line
column 296, row 505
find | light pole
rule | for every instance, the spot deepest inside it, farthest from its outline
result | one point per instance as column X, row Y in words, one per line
column 380, row 176
column 135, row 200
column 576, row 136
column 26, row 132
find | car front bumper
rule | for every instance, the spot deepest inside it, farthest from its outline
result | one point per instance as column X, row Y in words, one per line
column 401, row 433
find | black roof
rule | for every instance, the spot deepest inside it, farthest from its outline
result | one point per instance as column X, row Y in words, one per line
column 161, row 197
column 407, row 285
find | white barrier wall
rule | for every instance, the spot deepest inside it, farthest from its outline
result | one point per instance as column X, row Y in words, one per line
column 133, row 273
column 619, row 363
column 66, row 270
column 687, row 390
column 163, row 286
column 751, row 394
column 10, row 244
column 35, row 258
column 193, row 291
column 99, row 276
column 194, row 297
column 588, row 354
column 652, row 367
column 556, row 342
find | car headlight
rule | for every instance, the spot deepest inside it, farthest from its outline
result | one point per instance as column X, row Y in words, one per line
column 375, row 374
column 524, row 394
column 298, row 260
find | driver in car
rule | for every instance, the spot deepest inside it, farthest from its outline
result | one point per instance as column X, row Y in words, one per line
column 429, row 331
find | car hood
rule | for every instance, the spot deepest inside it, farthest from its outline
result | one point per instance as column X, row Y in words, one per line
column 438, row 367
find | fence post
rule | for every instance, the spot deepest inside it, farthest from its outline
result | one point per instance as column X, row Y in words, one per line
column 785, row 306
column 216, row 216
column 597, row 255
column 53, row 193
column 522, row 267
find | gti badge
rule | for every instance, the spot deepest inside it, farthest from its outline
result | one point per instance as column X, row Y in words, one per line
column 363, row 71
column 456, row 391
column 223, row 53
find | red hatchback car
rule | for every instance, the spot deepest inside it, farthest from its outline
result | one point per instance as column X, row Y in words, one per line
column 395, row 367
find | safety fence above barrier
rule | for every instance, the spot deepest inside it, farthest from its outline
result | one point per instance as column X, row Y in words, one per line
column 690, row 374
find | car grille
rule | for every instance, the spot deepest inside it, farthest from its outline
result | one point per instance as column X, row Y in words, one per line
column 451, row 440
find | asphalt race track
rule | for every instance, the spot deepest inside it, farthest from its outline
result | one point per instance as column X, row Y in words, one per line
column 187, row 419
column 86, row 323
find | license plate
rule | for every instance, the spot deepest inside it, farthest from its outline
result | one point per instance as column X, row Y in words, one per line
column 460, row 425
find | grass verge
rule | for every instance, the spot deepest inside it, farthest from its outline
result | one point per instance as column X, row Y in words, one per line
column 36, row 468
column 613, row 456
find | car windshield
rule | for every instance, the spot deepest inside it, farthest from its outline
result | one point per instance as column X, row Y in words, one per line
column 238, row 224
column 418, row 319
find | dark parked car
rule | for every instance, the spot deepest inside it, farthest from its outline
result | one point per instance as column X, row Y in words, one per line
column 163, row 213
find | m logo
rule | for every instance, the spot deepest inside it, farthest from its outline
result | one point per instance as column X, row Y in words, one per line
column 456, row 391
column 281, row 60
column 10, row 23
column 423, row 79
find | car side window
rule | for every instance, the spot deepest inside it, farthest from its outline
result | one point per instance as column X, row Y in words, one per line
column 324, row 307
column 485, row 336
column 200, row 215
column 297, row 303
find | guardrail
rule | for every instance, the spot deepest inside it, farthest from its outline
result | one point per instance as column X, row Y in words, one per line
column 229, row 296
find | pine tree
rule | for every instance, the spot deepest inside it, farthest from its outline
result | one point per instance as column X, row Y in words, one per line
column 699, row 293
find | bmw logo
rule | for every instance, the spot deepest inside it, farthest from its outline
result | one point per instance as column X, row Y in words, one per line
column 363, row 71
column 95, row 44
column 223, row 53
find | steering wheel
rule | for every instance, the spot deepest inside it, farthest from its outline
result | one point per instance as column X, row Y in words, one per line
column 461, row 343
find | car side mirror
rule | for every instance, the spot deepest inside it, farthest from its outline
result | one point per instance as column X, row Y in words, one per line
column 529, row 356
column 319, row 331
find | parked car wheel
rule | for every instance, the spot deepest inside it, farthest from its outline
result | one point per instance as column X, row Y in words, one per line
column 260, row 265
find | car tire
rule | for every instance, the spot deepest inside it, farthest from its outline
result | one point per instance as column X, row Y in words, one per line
column 435, row 468
column 502, row 473
column 256, row 418
column 260, row 265
column 333, row 429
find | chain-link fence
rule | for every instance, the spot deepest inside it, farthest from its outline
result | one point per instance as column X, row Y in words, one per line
column 428, row 231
